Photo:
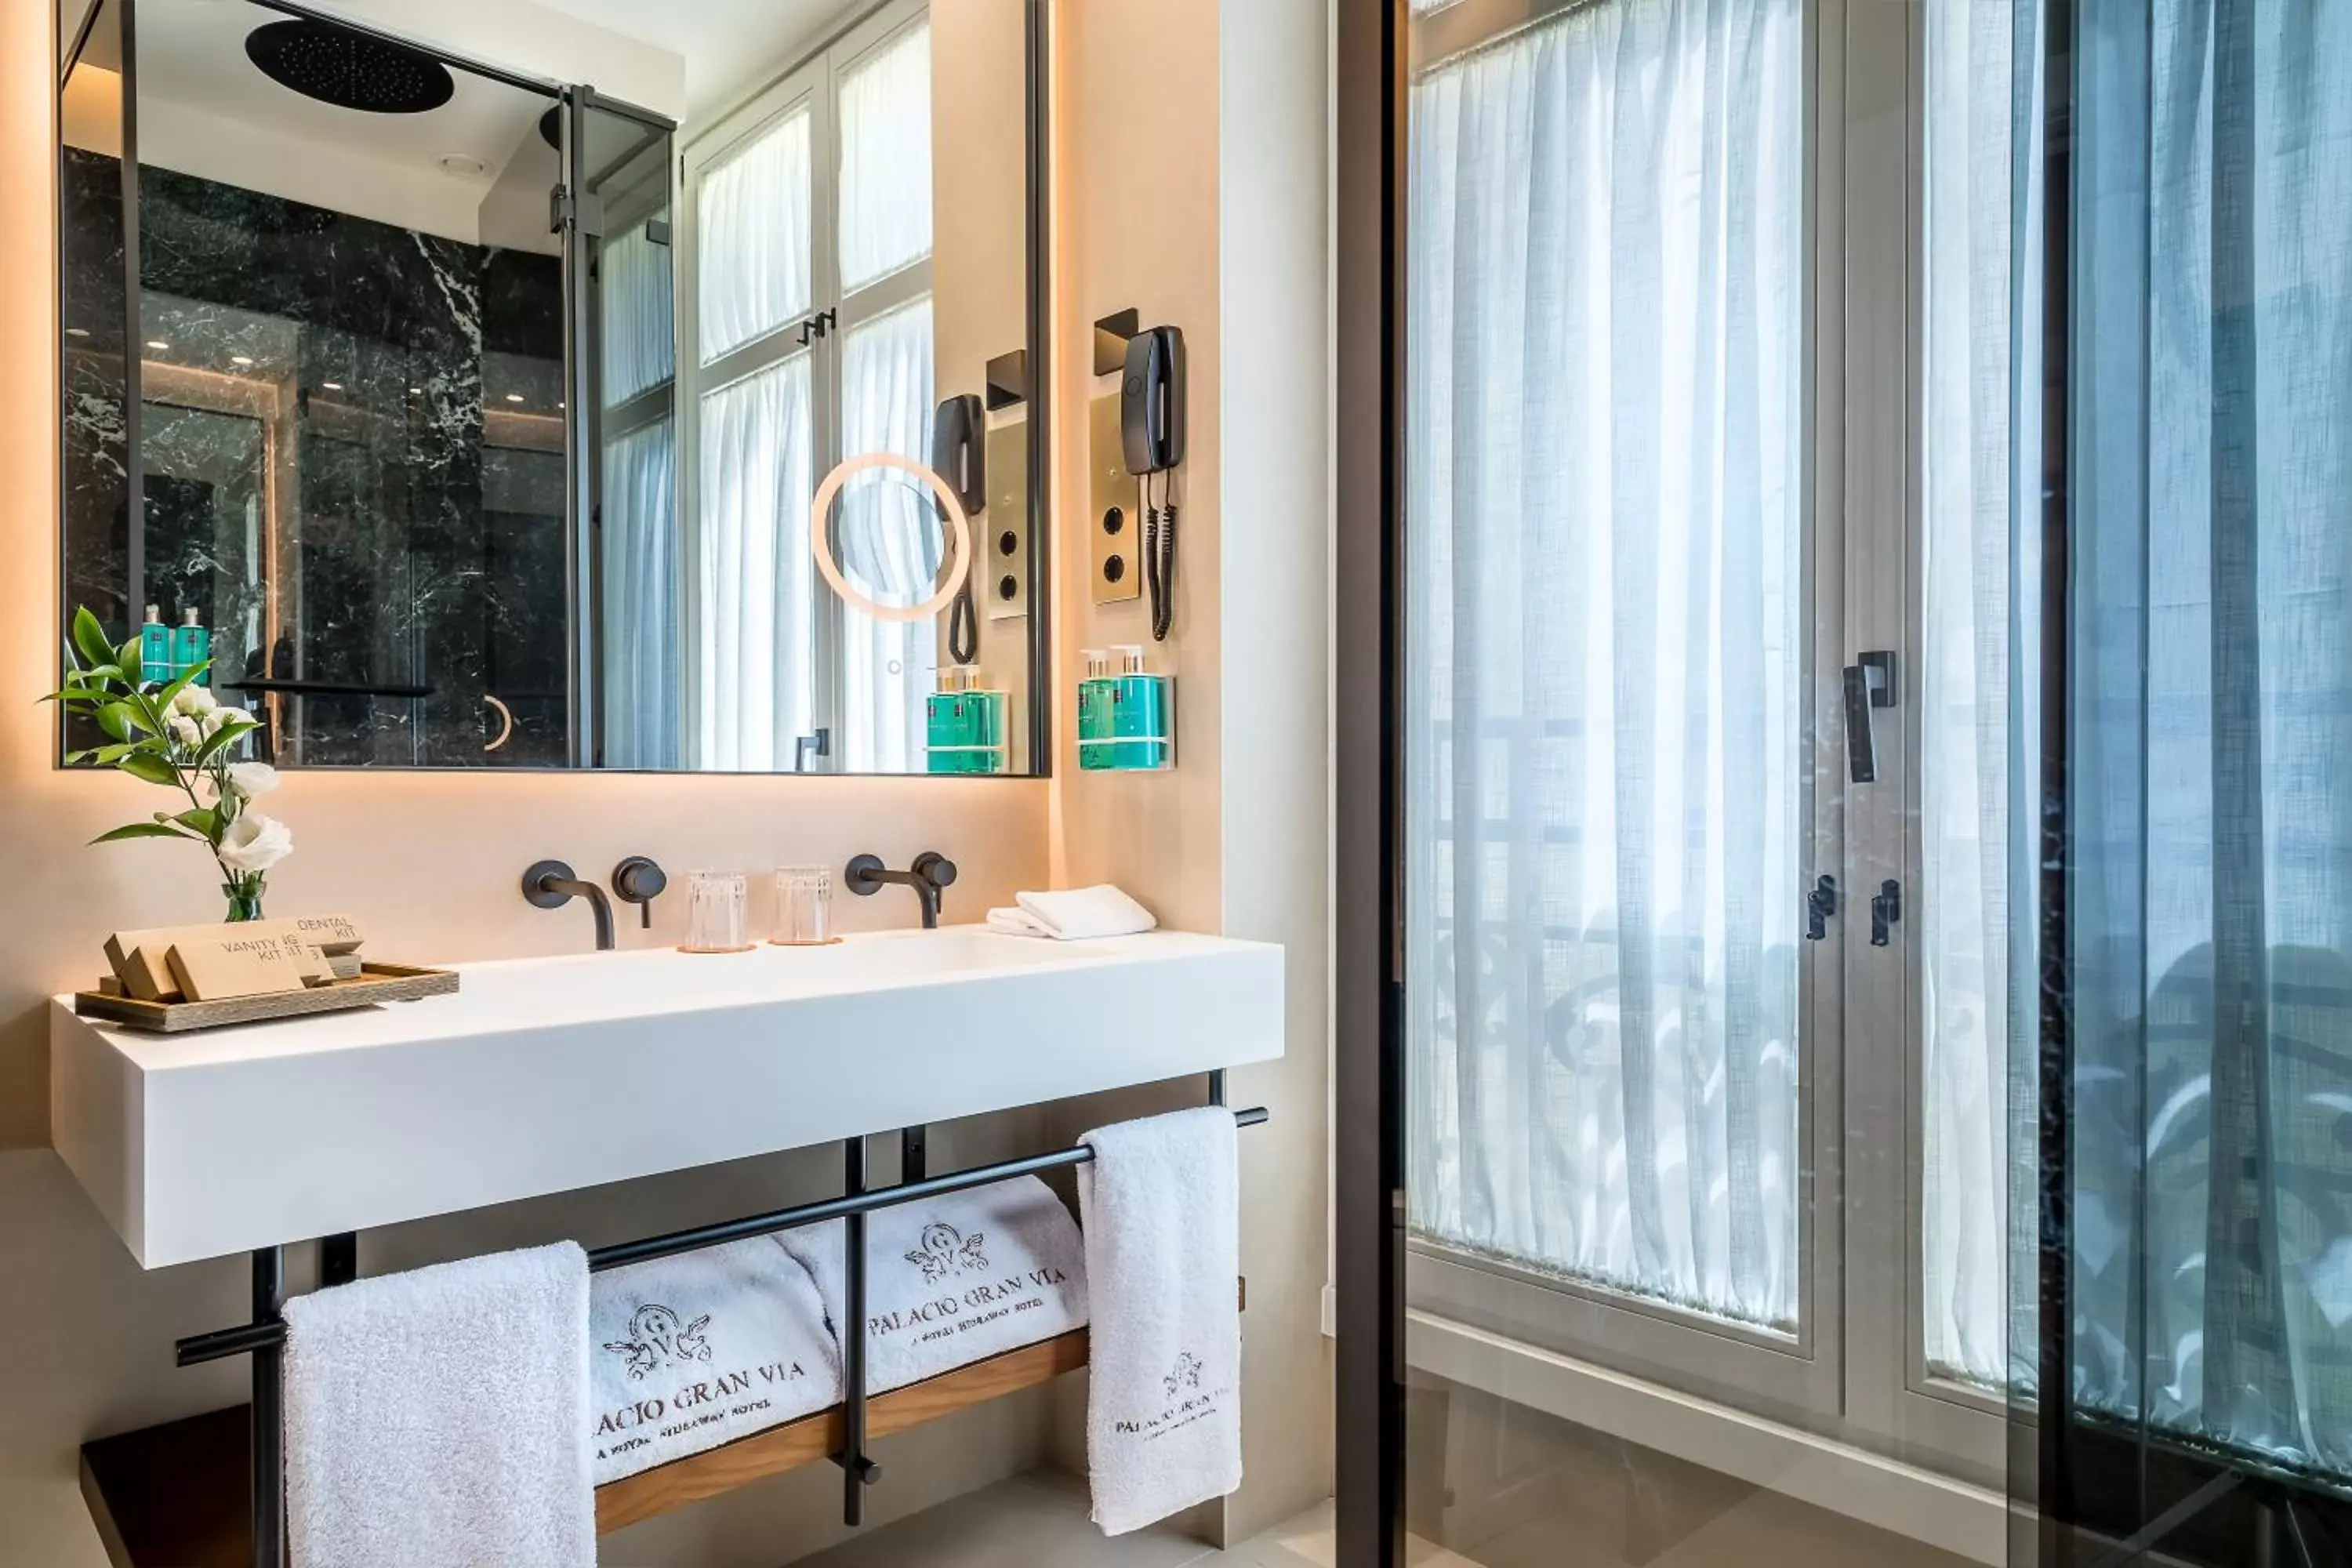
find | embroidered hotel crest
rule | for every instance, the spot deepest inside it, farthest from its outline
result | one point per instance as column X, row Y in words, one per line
column 947, row 1250
column 1186, row 1375
column 656, row 1337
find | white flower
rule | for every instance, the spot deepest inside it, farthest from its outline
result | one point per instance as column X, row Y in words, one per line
column 215, row 719
column 255, row 843
column 185, row 732
column 195, row 701
column 250, row 779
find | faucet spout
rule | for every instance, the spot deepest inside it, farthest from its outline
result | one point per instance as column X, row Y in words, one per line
column 550, row 885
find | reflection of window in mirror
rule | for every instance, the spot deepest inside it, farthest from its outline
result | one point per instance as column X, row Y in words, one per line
column 811, row 219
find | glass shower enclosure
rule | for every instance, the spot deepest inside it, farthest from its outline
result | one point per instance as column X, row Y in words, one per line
column 1845, row 809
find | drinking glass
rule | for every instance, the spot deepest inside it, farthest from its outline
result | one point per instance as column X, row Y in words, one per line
column 717, row 912
column 804, row 906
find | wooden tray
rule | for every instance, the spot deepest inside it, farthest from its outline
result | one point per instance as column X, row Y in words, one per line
column 375, row 982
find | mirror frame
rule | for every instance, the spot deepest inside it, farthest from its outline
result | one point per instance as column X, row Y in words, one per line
column 1038, row 231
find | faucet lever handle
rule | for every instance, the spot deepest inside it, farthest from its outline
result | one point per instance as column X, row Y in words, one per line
column 639, row 880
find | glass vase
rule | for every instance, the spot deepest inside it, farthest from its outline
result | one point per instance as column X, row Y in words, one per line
column 244, row 897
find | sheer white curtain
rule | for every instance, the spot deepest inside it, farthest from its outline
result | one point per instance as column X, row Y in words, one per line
column 643, row 695
column 888, row 534
column 2210, row 738
column 755, row 646
column 1980, row 505
column 639, row 310
column 1607, row 650
column 885, row 158
column 754, row 246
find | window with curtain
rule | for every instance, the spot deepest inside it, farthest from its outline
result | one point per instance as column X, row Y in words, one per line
column 753, row 237
column 815, row 342
column 1608, row 654
column 1980, row 343
column 2212, row 738
column 755, row 582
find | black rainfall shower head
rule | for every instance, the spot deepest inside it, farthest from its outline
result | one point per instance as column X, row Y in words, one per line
column 349, row 69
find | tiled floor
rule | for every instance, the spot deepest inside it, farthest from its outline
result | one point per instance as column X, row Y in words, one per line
column 1039, row 1521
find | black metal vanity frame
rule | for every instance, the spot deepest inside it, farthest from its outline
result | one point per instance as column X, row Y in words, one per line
column 263, row 1338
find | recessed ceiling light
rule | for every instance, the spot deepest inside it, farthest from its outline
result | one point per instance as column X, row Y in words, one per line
column 159, row 345
column 76, row 331
column 415, row 392
column 240, row 359
column 330, row 386
column 514, row 398
column 464, row 165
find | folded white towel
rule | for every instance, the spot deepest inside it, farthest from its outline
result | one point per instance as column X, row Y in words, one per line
column 1161, row 1201
column 699, row 1349
column 955, row 1281
column 1072, row 915
column 440, row 1416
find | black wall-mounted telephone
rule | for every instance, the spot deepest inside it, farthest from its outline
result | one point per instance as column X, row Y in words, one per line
column 958, row 446
column 1151, row 428
column 958, row 442
column 1151, row 401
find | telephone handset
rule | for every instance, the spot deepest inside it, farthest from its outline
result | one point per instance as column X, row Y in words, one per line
column 958, row 444
column 1151, row 429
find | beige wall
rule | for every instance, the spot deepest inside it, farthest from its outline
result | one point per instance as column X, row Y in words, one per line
column 1200, row 201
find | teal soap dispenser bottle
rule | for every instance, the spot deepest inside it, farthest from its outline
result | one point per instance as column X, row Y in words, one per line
column 155, row 647
column 192, row 645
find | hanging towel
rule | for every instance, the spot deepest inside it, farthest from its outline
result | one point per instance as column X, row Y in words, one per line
column 1072, row 915
column 953, row 1281
column 1160, row 1202
column 439, row 1416
column 695, row 1351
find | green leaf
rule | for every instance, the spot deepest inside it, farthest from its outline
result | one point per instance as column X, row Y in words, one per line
column 147, row 765
column 140, row 830
column 101, row 756
column 224, row 736
column 201, row 819
column 132, row 656
column 119, row 720
column 90, row 638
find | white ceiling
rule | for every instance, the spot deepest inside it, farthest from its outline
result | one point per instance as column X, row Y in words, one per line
column 729, row 45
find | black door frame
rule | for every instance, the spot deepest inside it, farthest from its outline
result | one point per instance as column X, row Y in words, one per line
column 1367, row 931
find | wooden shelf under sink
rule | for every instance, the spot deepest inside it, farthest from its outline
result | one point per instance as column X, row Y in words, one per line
column 175, row 1496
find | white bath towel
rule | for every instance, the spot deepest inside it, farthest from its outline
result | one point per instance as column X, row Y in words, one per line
column 1072, row 915
column 955, row 1281
column 440, row 1416
column 691, row 1351
column 1161, row 1203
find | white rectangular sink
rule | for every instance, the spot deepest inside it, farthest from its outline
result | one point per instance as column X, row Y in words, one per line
column 544, row 1074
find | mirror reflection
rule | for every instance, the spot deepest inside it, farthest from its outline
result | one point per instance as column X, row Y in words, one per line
column 467, row 415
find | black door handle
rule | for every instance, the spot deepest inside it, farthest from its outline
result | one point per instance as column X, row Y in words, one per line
column 1820, row 905
column 1869, row 683
column 1885, row 910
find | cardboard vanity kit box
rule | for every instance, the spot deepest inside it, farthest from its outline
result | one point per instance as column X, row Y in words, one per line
column 175, row 978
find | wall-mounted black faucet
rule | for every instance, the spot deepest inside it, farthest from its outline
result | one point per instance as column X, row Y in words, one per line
column 930, row 876
column 638, row 881
column 550, row 885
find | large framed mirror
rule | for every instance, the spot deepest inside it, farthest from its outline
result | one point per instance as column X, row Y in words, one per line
column 468, row 412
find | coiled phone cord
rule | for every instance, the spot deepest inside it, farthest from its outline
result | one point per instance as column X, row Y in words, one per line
column 1160, row 556
column 963, row 626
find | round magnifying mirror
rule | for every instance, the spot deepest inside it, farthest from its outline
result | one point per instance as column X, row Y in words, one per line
column 898, row 545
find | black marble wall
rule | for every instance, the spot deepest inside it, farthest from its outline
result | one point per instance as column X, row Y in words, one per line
column 401, row 391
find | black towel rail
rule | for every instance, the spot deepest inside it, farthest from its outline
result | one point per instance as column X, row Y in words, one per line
column 264, row 1338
